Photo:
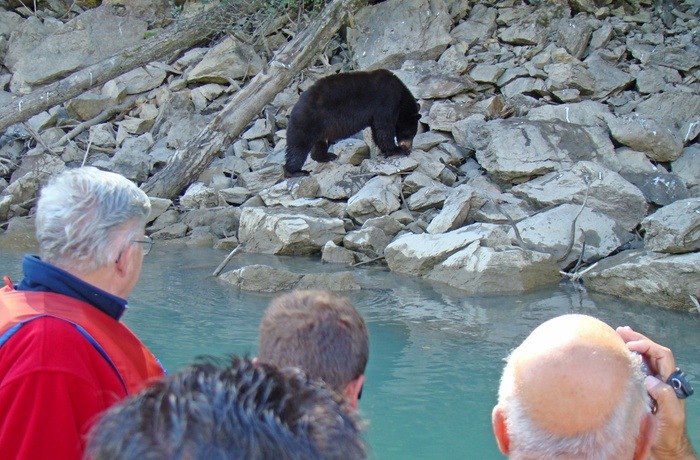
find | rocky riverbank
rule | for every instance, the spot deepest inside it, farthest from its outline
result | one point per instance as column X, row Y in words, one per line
column 557, row 139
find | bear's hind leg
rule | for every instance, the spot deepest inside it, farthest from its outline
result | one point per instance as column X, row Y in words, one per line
column 320, row 152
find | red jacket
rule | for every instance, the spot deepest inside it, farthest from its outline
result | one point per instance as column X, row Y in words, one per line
column 53, row 380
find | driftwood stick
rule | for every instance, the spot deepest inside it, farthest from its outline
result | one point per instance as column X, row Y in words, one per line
column 573, row 222
column 102, row 117
column 228, row 258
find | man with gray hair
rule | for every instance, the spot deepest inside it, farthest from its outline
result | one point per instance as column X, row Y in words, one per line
column 572, row 390
column 64, row 354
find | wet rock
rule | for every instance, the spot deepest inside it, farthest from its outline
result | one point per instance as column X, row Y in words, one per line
column 479, row 269
column 418, row 254
column 654, row 278
column 334, row 254
column 262, row 278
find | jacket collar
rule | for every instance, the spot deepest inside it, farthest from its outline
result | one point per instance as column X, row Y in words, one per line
column 44, row 277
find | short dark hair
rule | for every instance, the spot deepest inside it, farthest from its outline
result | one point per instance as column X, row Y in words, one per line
column 241, row 411
column 319, row 331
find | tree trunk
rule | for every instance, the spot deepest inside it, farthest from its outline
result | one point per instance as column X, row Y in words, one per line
column 186, row 164
column 181, row 36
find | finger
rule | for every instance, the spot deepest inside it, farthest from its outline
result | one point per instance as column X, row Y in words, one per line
column 670, row 407
column 628, row 334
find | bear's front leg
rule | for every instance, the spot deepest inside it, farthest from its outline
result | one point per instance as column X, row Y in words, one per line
column 320, row 152
column 383, row 135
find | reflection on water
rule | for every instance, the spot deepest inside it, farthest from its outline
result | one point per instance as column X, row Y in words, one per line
column 436, row 354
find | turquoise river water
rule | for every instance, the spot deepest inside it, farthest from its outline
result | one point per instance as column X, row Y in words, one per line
column 436, row 353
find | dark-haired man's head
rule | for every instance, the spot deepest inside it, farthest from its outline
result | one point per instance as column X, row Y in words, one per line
column 241, row 411
column 320, row 332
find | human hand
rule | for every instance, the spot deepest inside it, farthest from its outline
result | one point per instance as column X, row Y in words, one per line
column 671, row 440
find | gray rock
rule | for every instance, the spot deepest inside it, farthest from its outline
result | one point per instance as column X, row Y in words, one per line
column 369, row 241
column 339, row 182
column 659, row 187
column 262, row 278
column 517, row 149
column 418, row 254
column 378, row 197
column 487, row 73
column 255, row 181
column 653, row 278
column 200, row 237
column 171, row 232
column 483, row 270
column 226, row 62
column 333, row 208
column 198, row 195
column 569, row 75
column 687, row 167
column 574, row 35
column 388, row 224
column 158, row 207
column 647, row 135
column 608, row 78
column 456, row 208
column 428, row 80
column 389, row 33
column 588, row 113
column 222, row 222
column 89, row 38
column 331, row 253
column 163, row 221
column 677, row 109
column 609, row 193
column 675, row 228
column 235, row 195
column 142, row 79
column 525, row 32
column 288, row 231
column 550, row 232
column 480, row 25
column 427, row 198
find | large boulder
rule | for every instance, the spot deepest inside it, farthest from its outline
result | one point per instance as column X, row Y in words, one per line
column 665, row 280
column 675, row 228
column 481, row 270
column 288, row 231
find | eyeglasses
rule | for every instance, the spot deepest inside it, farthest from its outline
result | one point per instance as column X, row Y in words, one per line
column 146, row 243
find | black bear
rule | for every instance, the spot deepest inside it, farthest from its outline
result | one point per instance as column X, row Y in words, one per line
column 338, row 106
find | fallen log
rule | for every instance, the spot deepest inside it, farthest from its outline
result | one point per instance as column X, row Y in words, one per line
column 182, row 36
column 187, row 163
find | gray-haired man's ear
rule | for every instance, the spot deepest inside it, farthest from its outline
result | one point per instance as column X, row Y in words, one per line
column 647, row 430
column 500, row 430
column 353, row 389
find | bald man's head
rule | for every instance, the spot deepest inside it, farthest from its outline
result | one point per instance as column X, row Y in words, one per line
column 572, row 381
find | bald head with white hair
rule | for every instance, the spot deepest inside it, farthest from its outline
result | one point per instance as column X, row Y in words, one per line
column 572, row 390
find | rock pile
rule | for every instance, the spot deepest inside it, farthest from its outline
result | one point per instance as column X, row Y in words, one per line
column 556, row 137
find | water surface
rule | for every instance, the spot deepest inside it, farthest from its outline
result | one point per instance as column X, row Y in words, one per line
column 435, row 354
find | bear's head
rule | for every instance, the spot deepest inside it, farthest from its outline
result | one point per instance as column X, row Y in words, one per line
column 407, row 127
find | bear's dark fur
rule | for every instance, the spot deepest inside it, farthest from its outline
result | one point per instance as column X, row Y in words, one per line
column 338, row 106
